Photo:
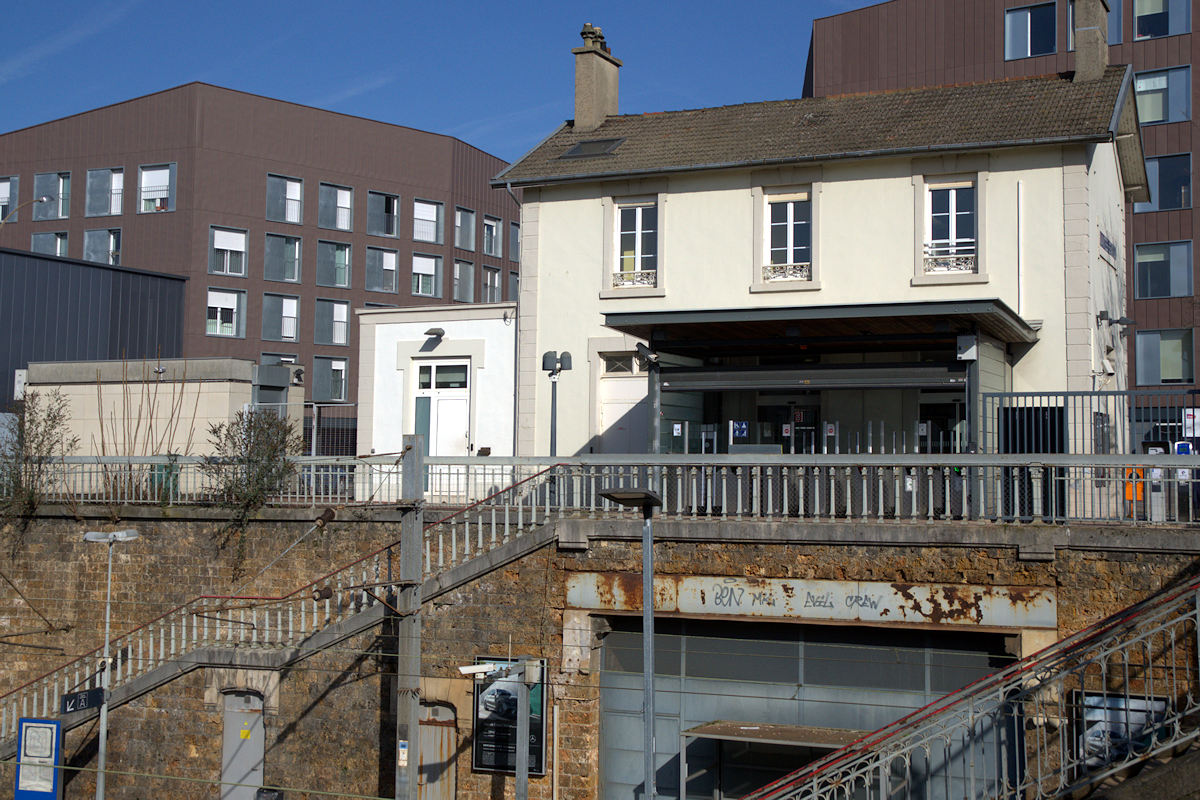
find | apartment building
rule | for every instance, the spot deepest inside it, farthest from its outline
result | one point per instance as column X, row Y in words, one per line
column 915, row 43
column 282, row 217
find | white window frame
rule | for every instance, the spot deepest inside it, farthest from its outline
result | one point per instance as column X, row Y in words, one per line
column 338, row 369
column 223, row 244
column 1185, row 273
column 464, row 281
column 154, row 198
column 432, row 280
column 616, row 284
column 1011, row 17
column 491, row 285
column 230, row 300
column 339, row 325
column 944, row 262
column 421, row 220
column 1187, row 346
column 1183, row 6
column 768, row 277
column 464, row 228
column 293, row 199
column 493, row 245
column 8, row 203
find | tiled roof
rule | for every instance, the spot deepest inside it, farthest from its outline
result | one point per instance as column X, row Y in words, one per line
column 996, row 113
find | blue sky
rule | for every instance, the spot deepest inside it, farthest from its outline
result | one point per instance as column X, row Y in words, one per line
column 498, row 75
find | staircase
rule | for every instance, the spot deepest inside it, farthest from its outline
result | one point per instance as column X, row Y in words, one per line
column 271, row 633
column 1084, row 715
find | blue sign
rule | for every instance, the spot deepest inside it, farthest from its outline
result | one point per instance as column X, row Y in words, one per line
column 39, row 751
column 741, row 430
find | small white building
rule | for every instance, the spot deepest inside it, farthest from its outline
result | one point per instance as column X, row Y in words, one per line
column 445, row 372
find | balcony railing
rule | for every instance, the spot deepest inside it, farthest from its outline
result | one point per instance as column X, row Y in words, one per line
column 343, row 218
column 641, row 277
column 787, row 272
column 156, row 198
column 955, row 258
column 287, row 328
column 1126, row 490
column 291, row 210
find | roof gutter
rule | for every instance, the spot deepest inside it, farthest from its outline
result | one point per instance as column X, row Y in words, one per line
column 894, row 151
column 1122, row 94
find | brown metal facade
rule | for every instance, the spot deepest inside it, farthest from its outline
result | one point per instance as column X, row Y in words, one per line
column 224, row 144
column 910, row 43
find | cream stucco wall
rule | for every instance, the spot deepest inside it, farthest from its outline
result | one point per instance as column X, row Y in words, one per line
column 866, row 244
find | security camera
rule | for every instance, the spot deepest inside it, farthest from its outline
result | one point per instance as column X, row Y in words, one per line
column 646, row 353
column 478, row 669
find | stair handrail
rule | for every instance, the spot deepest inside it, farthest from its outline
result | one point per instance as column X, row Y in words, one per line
column 1034, row 667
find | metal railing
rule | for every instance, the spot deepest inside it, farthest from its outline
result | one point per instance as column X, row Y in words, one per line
column 951, row 257
column 1010, row 488
column 631, row 277
column 787, row 272
column 1082, row 710
column 288, row 621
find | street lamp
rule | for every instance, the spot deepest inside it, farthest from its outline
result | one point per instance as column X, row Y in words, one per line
column 647, row 501
column 554, row 363
column 110, row 538
column 43, row 199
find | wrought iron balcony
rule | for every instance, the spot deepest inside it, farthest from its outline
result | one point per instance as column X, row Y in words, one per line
column 787, row 272
column 951, row 258
column 641, row 277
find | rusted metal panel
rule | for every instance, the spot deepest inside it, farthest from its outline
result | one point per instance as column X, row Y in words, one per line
column 825, row 601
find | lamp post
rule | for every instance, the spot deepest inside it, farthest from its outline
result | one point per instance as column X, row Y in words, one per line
column 43, row 199
column 554, row 363
column 647, row 501
column 110, row 538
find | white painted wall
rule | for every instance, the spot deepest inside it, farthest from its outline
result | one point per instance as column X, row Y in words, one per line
column 394, row 344
column 864, row 236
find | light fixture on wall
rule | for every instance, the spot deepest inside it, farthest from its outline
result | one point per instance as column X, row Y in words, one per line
column 553, row 363
column 436, row 333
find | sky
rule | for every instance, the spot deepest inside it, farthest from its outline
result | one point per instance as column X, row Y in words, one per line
column 497, row 75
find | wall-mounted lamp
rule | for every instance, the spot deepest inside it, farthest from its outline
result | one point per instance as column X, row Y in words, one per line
column 298, row 376
column 554, row 362
column 436, row 333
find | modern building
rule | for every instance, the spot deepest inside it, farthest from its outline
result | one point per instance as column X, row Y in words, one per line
column 849, row 272
column 913, row 43
column 282, row 217
column 63, row 309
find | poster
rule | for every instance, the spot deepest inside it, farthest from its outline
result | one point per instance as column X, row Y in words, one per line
column 494, row 745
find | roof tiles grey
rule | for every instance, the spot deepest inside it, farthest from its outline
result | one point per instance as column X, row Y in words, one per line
column 996, row 113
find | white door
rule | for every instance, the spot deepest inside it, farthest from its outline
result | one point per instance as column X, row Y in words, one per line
column 624, row 415
column 443, row 417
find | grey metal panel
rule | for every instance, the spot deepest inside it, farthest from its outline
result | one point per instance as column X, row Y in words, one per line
column 322, row 379
column 45, row 184
column 99, row 193
column 276, row 198
column 326, row 206
column 375, row 214
column 242, row 746
column 272, row 317
column 95, row 243
column 323, row 322
column 58, row 309
column 172, row 170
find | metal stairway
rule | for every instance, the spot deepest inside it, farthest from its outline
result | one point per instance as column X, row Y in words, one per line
column 1086, row 710
column 271, row 633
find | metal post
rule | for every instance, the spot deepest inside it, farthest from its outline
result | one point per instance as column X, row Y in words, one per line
column 653, row 379
column 522, row 787
column 648, row 649
column 553, row 414
column 408, row 624
column 102, row 755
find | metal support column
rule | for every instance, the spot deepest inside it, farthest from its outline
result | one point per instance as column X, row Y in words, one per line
column 408, row 624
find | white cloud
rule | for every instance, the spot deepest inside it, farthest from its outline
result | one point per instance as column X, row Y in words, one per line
column 363, row 86
column 27, row 60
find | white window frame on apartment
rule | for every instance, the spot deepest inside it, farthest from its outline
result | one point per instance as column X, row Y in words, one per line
column 339, row 324
column 639, row 275
column 61, row 242
column 289, row 317
column 8, row 196
column 391, row 218
column 389, row 261
column 337, row 374
column 229, row 305
column 493, row 237
column 1167, row 88
column 225, row 245
column 427, row 275
column 491, row 285
column 112, row 242
column 56, row 186
column 804, row 187
column 957, row 259
column 464, row 281
column 286, row 241
column 1146, row 340
column 1179, row 17
column 428, row 221
column 1176, row 265
column 293, row 199
column 1019, row 21
column 155, row 196
column 114, row 196
column 464, row 228
column 343, row 207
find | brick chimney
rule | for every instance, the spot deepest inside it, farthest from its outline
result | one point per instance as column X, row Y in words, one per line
column 1091, row 39
column 595, row 80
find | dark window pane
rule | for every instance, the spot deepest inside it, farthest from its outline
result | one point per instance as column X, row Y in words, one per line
column 1041, row 29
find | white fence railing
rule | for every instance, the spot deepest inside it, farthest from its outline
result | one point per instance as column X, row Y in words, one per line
column 1121, row 489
